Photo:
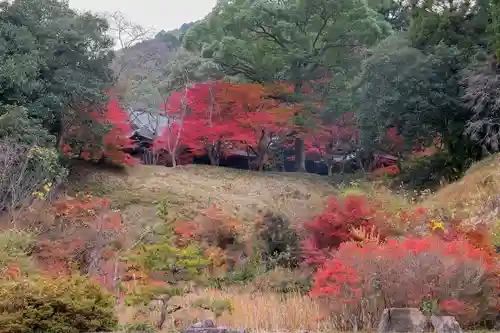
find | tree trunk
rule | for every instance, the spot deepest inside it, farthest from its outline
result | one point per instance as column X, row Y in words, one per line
column 212, row 157
column 300, row 155
column 163, row 313
column 213, row 151
column 262, row 149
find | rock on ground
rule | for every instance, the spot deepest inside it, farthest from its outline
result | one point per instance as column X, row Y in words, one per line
column 208, row 326
column 446, row 324
column 403, row 320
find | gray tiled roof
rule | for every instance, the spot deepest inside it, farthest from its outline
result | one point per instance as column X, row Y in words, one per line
column 148, row 124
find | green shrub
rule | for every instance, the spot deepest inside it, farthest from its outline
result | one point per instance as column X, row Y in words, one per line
column 430, row 171
column 242, row 274
column 16, row 126
column 138, row 328
column 62, row 305
column 283, row 280
column 217, row 306
column 15, row 247
column 26, row 171
column 278, row 242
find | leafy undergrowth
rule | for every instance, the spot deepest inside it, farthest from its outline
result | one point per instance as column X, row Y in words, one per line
column 188, row 190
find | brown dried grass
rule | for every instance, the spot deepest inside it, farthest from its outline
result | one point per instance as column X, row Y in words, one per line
column 191, row 189
column 264, row 312
column 473, row 199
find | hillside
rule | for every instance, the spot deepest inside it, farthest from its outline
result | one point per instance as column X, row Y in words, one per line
column 107, row 245
column 298, row 196
column 189, row 189
column 474, row 198
column 149, row 58
column 146, row 59
column 136, row 192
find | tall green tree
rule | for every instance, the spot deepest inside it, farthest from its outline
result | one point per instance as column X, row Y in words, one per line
column 482, row 97
column 295, row 41
column 415, row 80
column 463, row 24
column 288, row 40
column 420, row 94
column 53, row 61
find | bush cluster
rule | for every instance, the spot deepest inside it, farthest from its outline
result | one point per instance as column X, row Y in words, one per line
column 68, row 305
column 360, row 267
column 350, row 257
column 360, row 280
column 278, row 242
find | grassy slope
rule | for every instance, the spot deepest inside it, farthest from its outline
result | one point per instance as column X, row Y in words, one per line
column 473, row 199
column 190, row 189
column 244, row 194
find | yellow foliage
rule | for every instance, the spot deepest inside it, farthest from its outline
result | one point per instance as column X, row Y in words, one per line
column 436, row 225
column 45, row 190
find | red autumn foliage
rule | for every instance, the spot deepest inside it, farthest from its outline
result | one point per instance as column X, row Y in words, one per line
column 334, row 225
column 409, row 219
column 118, row 137
column 337, row 279
column 339, row 138
column 216, row 118
column 101, row 135
column 459, row 309
column 324, row 141
column 56, row 257
column 12, row 271
column 361, row 279
column 84, row 236
column 393, row 142
column 212, row 228
column 478, row 235
column 391, row 170
column 185, row 232
column 218, row 233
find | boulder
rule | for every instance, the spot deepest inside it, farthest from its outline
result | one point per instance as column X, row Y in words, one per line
column 215, row 330
column 208, row 326
column 207, row 323
column 184, row 318
column 403, row 320
column 446, row 324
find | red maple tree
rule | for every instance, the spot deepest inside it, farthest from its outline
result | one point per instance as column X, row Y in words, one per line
column 327, row 141
column 334, row 226
column 102, row 134
column 217, row 118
